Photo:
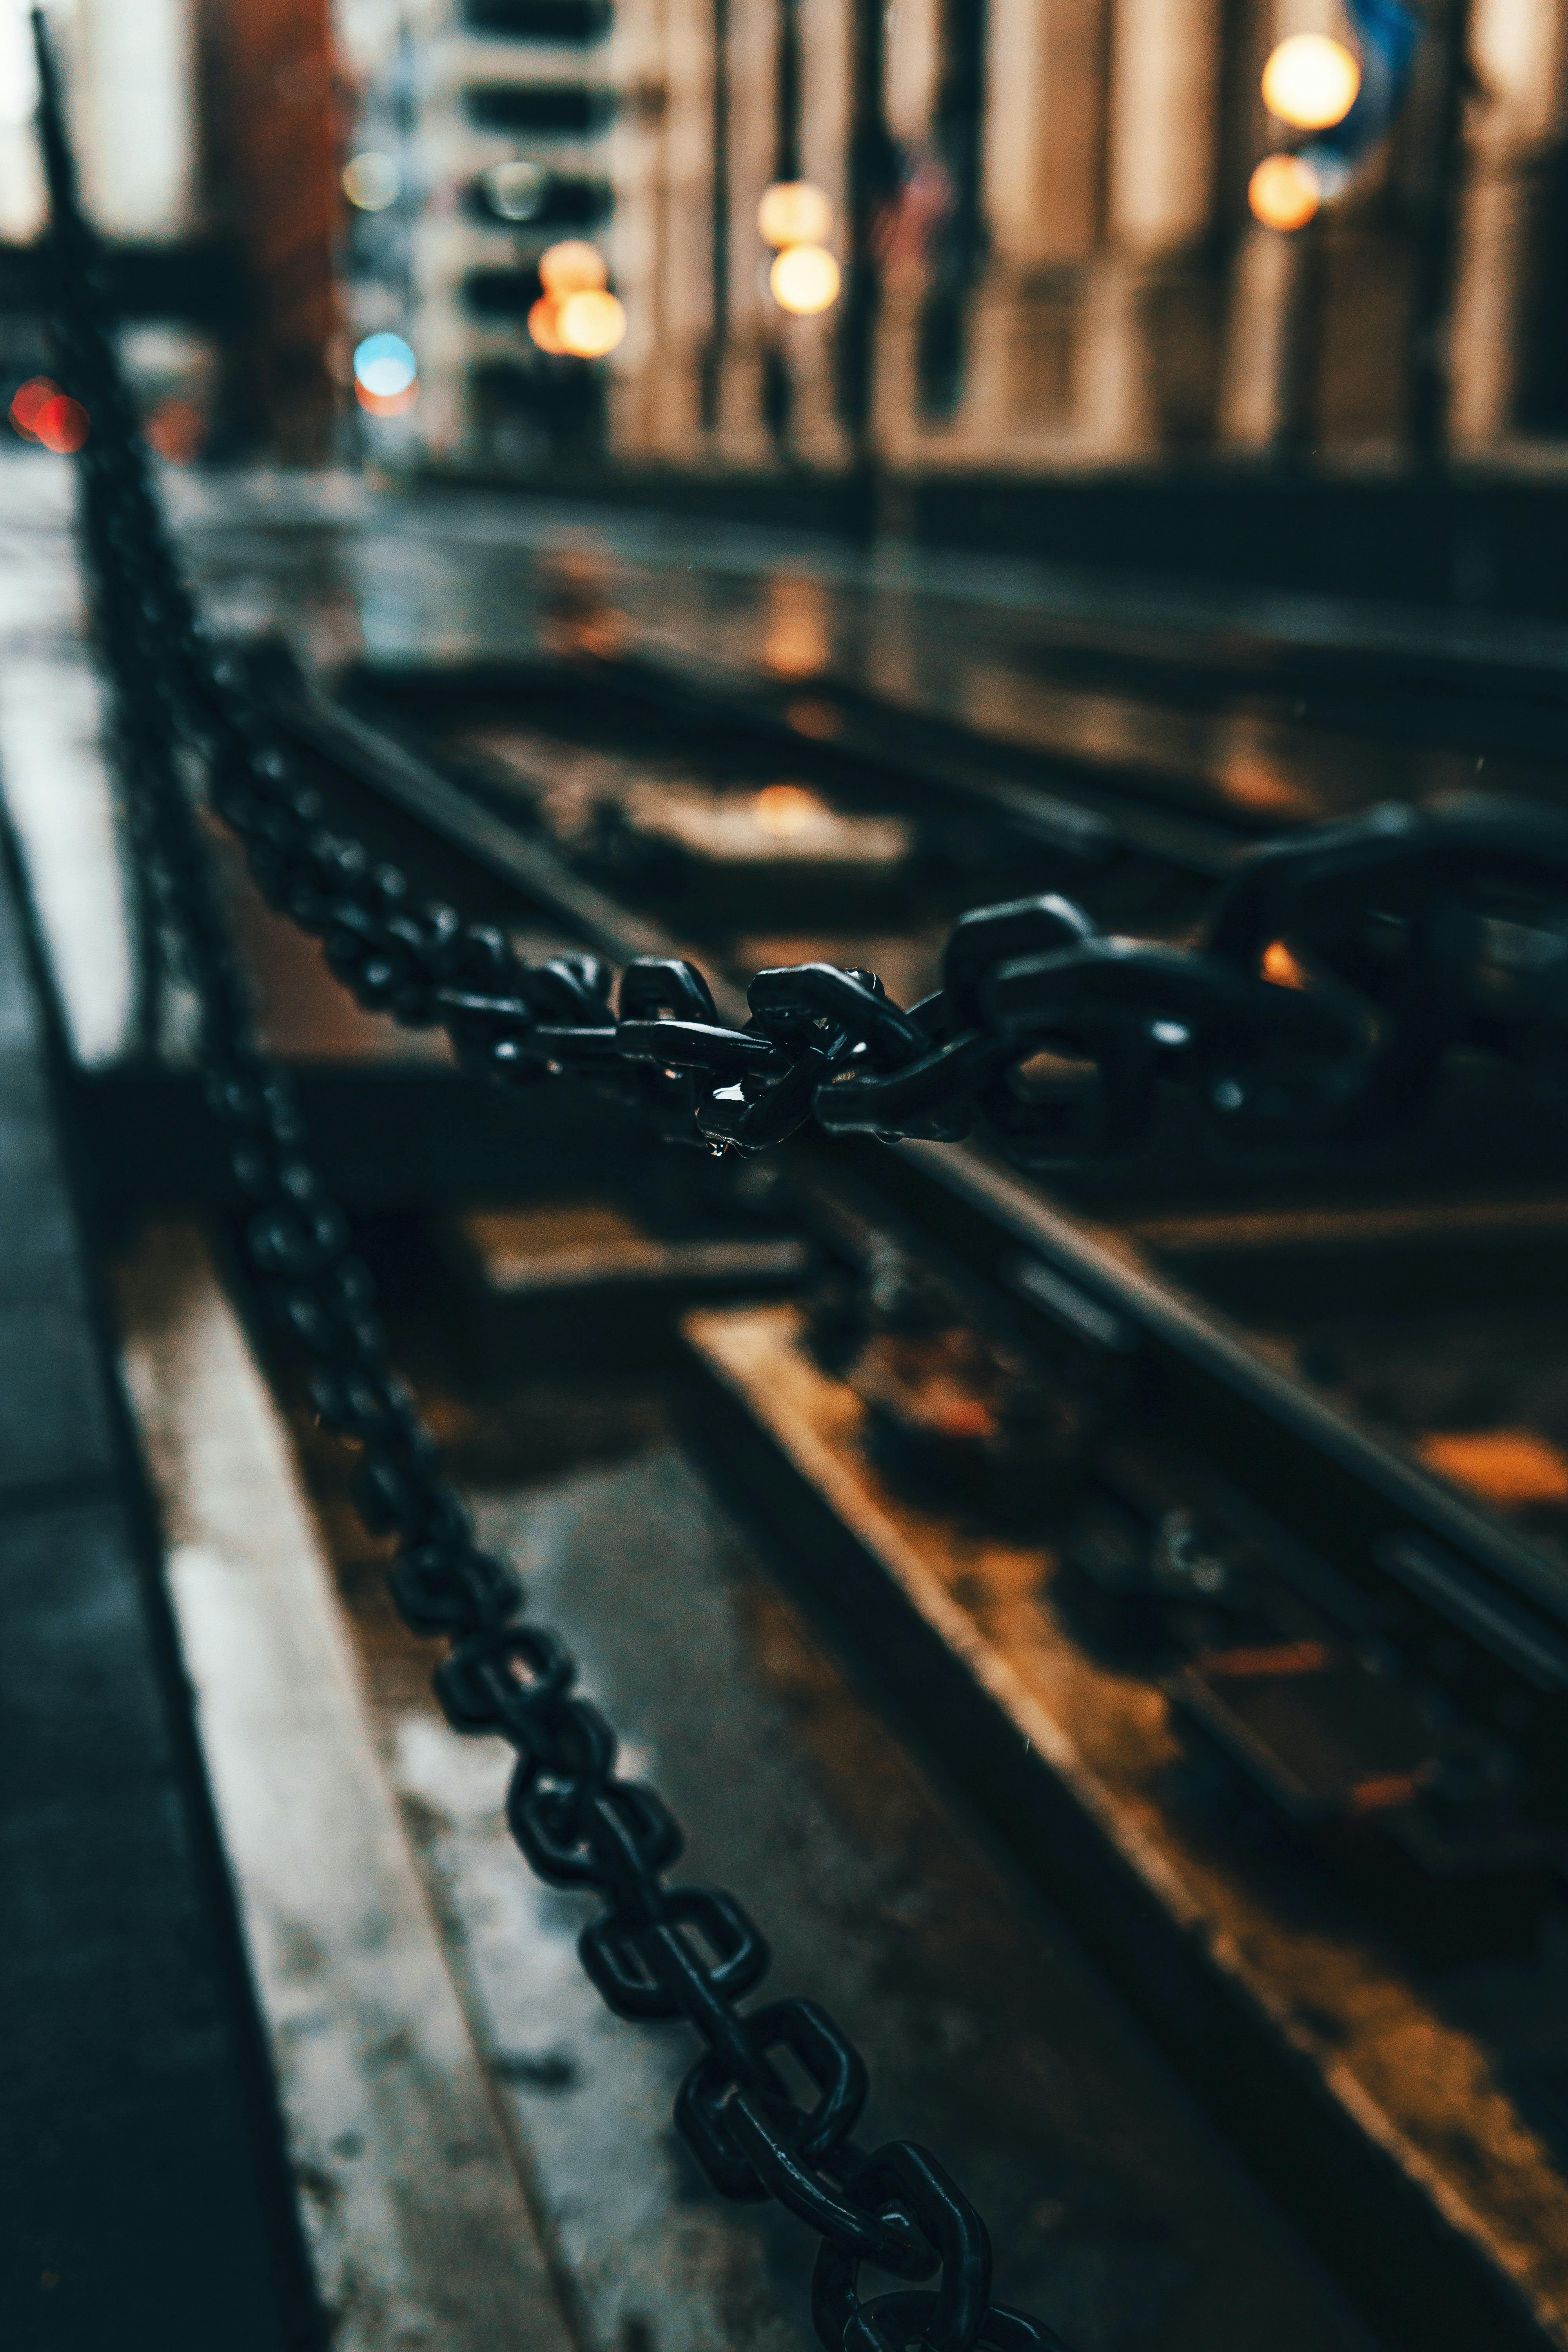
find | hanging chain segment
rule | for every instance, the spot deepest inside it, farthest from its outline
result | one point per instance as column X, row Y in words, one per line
column 654, row 1950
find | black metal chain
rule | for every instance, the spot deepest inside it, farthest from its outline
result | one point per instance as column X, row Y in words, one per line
column 655, row 1951
column 1385, row 917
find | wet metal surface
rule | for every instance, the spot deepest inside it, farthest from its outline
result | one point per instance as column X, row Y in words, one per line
column 985, row 647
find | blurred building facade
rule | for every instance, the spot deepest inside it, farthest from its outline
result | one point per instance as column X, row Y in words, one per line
column 1041, row 209
column 497, row 119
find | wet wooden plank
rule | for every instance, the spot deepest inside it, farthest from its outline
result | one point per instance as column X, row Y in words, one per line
column 413, row 2195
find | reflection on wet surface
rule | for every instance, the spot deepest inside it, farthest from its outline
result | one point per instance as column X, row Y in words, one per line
column 928, row 656
column 1013, row 652
column 762, row 855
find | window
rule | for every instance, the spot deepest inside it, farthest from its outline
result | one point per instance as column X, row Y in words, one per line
column 561, row 108
column 574, row 22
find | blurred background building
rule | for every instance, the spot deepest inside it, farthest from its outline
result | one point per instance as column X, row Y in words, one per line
column 1044, row 213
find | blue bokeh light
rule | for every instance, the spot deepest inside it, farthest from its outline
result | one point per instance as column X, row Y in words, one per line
column 386, row 366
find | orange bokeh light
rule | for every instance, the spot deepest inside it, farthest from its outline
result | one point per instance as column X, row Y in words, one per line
column 1281, row 967
column 1284, row 193
column 590, row 324
column 583, row 325
column 1311, row 81
column 804, row 279
column 793, row 211
column 573, row 267
column 543, row 326
column 386, row 403
column 785, row 810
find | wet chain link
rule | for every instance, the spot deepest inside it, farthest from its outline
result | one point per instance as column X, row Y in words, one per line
column 1351, row 1052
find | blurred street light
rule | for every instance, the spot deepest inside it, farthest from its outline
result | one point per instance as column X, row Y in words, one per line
column 371, row 182
column 1283, row 192
column 28, row 400
column 41, row 412
column 543, row 326
column 61, row 425
column 386, row 375
column 384, row 365
column 1310, row 81
column 591, row 323
column 804, row 279
column 793, row 211
column 575, row 317
column 573, row 267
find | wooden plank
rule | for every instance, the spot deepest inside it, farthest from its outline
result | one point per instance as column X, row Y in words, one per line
column 412, row 2195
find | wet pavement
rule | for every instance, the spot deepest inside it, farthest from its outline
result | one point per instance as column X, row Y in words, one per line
column 992, row 664
column 1011, row 653
column 1204, row 710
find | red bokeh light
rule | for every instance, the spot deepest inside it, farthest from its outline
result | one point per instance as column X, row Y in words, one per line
column 62, row 424
column 34, row 395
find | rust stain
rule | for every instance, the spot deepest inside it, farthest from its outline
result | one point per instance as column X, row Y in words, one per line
column 1510, row 1466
